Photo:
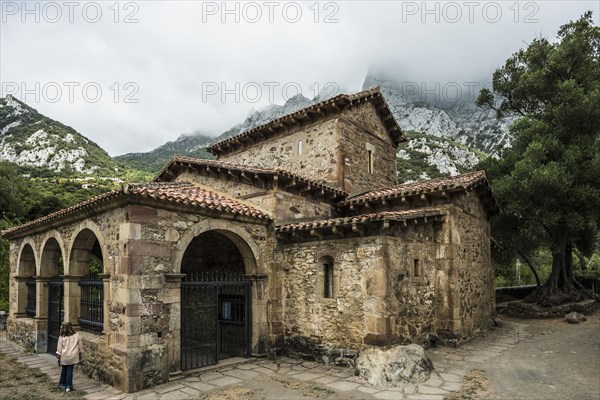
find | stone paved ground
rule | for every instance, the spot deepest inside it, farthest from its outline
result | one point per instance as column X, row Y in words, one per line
column 287, row 378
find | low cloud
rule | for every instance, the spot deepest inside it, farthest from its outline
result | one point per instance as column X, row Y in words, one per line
column 137, row 74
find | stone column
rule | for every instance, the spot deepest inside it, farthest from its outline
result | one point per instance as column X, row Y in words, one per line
column 41, row 314
column 72, row 299
column 174, row 342
column 259, row 328
column 106, row 301
column 21, row 298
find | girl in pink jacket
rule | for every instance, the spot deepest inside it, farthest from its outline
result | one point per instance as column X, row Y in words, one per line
column 68, row 350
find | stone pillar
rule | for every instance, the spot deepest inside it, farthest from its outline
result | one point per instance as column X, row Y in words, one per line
column 41, row 297
column 41, row 314
column 378, row 325
column 21, row 298
column 106, row 301
column 72, row 299
column 174, row 342
column 259, row 328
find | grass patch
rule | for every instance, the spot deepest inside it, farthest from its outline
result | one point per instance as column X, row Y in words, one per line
column 475, row 387
column 234, row 393
column 18, row 382
column 307, row 389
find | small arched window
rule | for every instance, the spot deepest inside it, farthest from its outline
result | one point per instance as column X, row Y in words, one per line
column 328, row 277
column 416, row 267
column 299, row 147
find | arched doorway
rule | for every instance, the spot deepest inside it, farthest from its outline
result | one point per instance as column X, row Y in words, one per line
column 215, row 300
column 52, row 269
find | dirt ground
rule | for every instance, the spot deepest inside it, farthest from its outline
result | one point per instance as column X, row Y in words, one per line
column 18, row 382
column 281, row 388
column 559, row 361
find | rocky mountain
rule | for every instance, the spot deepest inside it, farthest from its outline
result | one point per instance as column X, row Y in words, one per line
column 30, row 139
column 456, row 118
column 269, row 113
column 189, row 144
column 424, row 157
column 444, row 139
column 193, row 144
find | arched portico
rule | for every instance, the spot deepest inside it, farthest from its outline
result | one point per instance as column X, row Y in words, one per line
column 247, row 247
column 49, row 288
column 229, row 312
column 84, row 288
column 25, row 276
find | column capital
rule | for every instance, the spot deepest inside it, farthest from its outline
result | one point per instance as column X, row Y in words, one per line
column 174, row 277
column 71, row 278
column 256, row 277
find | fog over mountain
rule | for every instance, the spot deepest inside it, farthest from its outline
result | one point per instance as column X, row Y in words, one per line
column 136, row 79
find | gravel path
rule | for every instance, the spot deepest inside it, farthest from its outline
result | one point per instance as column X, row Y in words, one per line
column 559, row 361
column 524, row 359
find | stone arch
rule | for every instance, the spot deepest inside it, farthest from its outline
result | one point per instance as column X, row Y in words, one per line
column 27, row 258
column 85, row 299
column 255, row 326
column 26, row 287
column 242, row 239
column 82, row 245
column 52, row 255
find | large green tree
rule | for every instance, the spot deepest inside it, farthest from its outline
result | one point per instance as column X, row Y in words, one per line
column 548, row 181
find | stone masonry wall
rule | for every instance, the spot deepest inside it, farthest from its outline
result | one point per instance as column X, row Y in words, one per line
column 318, row 160
column 333, row 329
column 414, row 293
column 233, row 188
column 286, row 206
column 356, row 144
column 281, row 205
column 471, row 239
column 334, row 152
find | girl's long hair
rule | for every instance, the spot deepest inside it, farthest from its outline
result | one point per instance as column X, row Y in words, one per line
column 66, row 329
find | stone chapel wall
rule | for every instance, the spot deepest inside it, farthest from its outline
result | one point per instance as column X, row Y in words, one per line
column 318, row 159
column 471, row 239
column 282, row 205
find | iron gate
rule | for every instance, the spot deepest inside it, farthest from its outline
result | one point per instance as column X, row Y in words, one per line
column 215, row 318
column 55, row 311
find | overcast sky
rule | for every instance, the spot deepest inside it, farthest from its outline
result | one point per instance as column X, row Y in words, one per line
column 168, row 67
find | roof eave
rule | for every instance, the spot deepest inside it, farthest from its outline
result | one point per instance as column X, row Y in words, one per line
column 339, row 103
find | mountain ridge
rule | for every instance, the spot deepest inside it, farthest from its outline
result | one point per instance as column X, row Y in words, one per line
column 444, row 138
column 31, row 139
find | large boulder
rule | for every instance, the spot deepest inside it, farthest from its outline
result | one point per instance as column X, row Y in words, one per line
column 575, row 317
column 383, row 368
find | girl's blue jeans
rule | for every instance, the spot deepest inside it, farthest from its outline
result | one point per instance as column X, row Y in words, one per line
column 66, row 377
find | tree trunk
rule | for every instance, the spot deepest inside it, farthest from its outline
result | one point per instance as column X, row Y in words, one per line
column 529, row 263
column 558, row 257
column 569, row 261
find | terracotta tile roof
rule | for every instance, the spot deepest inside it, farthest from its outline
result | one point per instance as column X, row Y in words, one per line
column 458, row 182
column 339, row 102
column 64, row 213
column 382, row 216
column 186, row 193
column 250, row 170
column 171, row 192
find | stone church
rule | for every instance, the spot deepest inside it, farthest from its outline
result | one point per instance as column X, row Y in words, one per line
column 297, row 240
